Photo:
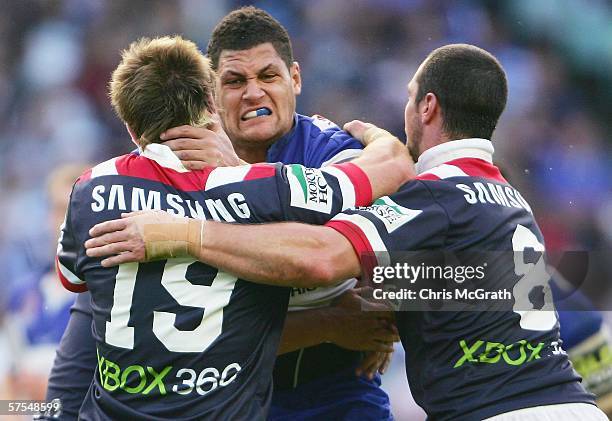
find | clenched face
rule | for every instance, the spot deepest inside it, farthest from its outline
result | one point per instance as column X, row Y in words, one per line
column 256, row 95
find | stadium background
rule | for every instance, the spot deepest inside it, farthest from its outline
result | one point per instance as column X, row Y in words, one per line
column 356, row 58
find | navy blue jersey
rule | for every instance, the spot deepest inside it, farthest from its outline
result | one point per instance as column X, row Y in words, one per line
column 312, row 142
column 177, row 338
column 469, row 364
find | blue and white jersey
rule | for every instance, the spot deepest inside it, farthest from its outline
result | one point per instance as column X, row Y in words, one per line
column 468, row 365
column 176, row 338
column 315, row 142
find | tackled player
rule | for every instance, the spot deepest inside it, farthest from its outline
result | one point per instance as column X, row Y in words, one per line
column 177, row 338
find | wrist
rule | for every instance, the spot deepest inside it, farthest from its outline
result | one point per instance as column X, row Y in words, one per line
column 329, row 321
column 195, row 236
column 180, row 238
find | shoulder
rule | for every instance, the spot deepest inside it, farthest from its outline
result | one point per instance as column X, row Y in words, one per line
column 108, row 167
column 325, row 142
column 318, row 128
column 89, row 179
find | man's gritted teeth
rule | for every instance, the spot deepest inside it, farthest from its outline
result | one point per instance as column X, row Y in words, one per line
column 259, row 112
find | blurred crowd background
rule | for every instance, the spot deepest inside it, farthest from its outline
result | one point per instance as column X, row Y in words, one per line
column 356, row 57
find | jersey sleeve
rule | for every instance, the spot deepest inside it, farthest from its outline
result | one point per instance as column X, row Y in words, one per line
column 408, row 220
column 340, row 148
column 67, row 254
column 333, row 146
column 277, row 192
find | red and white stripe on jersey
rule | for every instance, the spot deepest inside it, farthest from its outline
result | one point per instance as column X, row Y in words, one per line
column 463, row 167
column 354, row 184
column 227, row 175
column 135, row 165
column 69, row 280
column 363, row 236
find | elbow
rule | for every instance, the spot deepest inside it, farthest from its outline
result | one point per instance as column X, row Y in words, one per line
column 317, row 270
column 324, row 273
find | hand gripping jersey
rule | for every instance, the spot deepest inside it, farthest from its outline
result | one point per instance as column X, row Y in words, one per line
column 468, row 365
column 178, row 339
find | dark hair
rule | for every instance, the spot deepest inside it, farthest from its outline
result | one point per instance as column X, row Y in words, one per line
column 471, row 88
column 162, row 83
column 246, row 28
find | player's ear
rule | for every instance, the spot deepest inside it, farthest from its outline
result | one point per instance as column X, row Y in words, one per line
column 428, row 108
column 296, row 78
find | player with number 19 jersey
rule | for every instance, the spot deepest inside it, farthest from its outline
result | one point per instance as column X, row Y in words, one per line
column 469, row 365
column 178, row 339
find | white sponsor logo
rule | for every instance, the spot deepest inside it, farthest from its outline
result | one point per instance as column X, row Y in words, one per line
column 322, row 123
column 391, row 214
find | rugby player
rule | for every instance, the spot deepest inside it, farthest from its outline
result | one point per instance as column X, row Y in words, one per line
column 178, row 339
column 468, row 365
column 256, row 98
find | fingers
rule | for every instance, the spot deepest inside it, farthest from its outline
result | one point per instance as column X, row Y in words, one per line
column 135, row 213
column 211, row 157
column 386, row 336
column 374, row 339
column 107, row 227
column 368, row 365
column 357, row 128
column 196, row 165
column 385, row 364
column 364, row 291
column 377, row 331
column 353, row 126
column 127, row 257
column 383, row 346
column 110, row 249
column 374, row 362
column 209, row 149
column 185, row 131
column 206, row 140
column 105, row 239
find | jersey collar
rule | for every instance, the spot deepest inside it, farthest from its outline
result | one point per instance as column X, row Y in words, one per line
column 455, row 149
column 163, row 155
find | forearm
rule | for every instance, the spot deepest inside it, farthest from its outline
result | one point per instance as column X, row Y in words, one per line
column 305, row 328
column 291, row 254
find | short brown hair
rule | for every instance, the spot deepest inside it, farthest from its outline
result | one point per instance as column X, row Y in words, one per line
column 162, row 83
column 246, row 28
column 470, row 85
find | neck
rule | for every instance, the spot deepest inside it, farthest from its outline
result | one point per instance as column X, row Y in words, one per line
column 429, row 140
column 252, row 155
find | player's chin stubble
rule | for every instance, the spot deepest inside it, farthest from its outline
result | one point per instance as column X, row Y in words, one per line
column 412, row 143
